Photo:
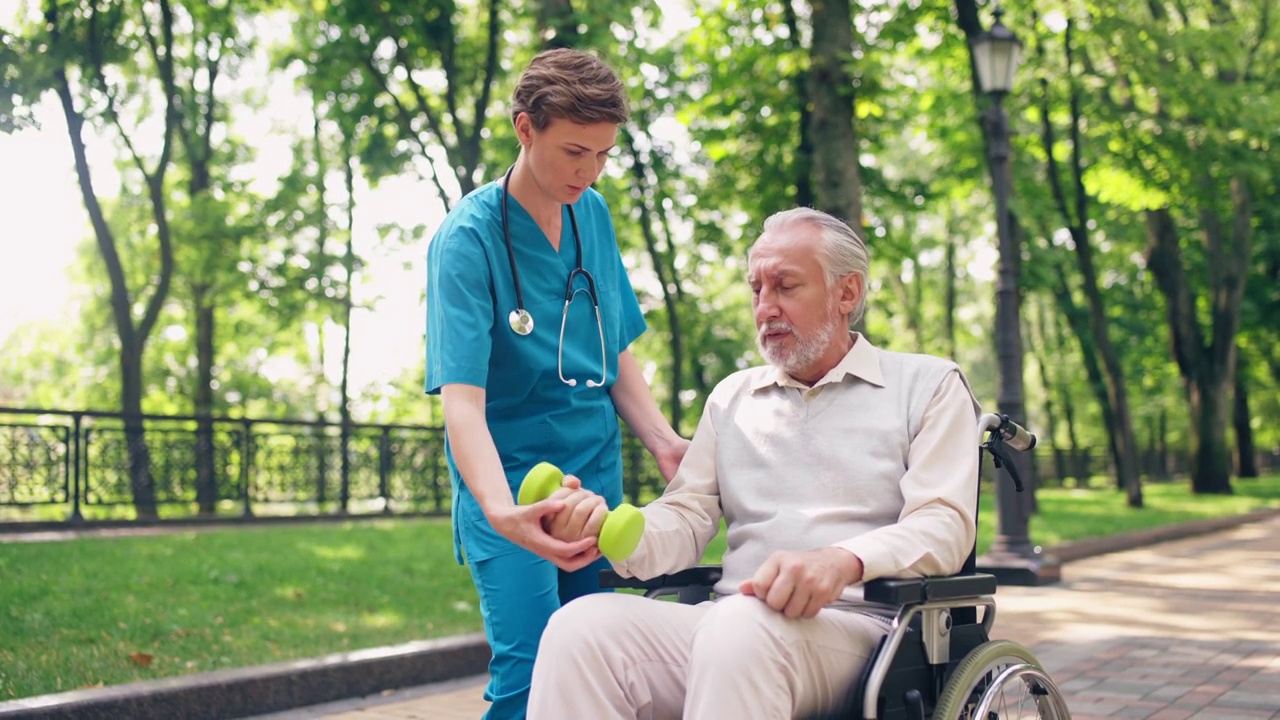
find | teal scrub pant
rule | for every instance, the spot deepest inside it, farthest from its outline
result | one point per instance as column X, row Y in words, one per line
column 518, row 592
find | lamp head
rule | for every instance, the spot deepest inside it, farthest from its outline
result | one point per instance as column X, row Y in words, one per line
column 997, row 54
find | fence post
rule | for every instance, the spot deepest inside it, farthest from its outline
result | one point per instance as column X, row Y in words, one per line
column 76, row 517
column 246, row 453
column 436, row 462
column 344, row 492
column 384, row 468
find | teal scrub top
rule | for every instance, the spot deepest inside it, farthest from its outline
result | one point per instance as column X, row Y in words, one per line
column 532, row 415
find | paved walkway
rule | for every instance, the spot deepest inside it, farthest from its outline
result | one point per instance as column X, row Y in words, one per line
column 1183, row 630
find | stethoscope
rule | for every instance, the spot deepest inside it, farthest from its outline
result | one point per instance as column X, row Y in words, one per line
column 522, row 322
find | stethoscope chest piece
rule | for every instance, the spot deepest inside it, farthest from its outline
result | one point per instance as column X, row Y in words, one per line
column 521, row 321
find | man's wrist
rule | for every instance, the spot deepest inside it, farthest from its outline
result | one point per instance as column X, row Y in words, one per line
column 850, row 565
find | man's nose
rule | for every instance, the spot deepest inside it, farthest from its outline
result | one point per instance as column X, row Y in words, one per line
column 766, row 308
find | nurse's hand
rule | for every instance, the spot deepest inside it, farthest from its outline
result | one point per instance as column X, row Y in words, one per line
column 523, row 525
column 669, row 456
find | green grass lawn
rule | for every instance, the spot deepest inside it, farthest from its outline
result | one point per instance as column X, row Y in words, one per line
column 102, row 611
column 110, row 610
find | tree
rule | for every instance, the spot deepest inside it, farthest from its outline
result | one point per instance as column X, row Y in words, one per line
column 90, row 66
column 1074, row 210
column 1205, row 182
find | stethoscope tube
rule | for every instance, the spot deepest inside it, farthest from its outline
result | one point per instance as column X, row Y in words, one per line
column 521, row 321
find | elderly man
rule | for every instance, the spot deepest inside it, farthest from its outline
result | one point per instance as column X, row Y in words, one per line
column 835, row 464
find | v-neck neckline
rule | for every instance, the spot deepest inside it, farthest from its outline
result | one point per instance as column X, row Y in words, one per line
column 566, row 255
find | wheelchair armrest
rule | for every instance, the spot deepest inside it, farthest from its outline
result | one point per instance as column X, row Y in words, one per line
column 891, row 591
column 702, row 575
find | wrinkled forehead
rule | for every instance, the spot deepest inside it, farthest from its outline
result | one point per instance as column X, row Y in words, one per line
column 787, row 250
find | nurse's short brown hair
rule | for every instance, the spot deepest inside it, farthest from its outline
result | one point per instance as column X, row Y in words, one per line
column 569, row 84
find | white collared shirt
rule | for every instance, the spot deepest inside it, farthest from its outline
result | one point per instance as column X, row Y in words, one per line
column 879, row 457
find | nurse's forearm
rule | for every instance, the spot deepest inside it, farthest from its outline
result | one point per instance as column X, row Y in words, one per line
column 473, row 447
column 635, row 404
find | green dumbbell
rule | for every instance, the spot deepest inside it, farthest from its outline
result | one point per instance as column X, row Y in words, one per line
column 622, row 527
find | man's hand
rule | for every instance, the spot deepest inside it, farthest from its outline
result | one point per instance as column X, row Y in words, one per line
column 799, row 584
column 523, row 525
column 582, row 516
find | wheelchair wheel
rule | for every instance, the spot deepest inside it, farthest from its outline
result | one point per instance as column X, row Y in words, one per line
column 1000, row 679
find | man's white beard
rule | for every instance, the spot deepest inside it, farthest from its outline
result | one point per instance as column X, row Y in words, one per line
column 805, row 351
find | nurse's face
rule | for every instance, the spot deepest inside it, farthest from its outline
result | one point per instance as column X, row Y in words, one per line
column 566, row 157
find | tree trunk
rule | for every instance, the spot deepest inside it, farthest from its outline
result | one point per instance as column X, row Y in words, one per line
column 1066, row 399
column 644, row 199
column 1123, row 442
column 800, row 81
column 1207, row 368
column 349, row 268
column 1048, row 382
column 1210, row 452
column 1246, row 453
column 1078, row 322
column 836, row 180
column 141, row 482
column 324, row 396
column 949, row 311
column 206, row 480
column 559, row 24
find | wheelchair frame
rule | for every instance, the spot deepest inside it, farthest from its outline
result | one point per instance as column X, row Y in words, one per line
column 920, row 678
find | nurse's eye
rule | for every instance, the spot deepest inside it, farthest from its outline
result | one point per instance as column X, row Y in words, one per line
column 575, row 153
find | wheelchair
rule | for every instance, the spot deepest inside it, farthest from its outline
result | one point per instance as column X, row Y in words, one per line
column 937, row 661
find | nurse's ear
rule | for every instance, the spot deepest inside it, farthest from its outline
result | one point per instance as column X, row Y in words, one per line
column 524, row 129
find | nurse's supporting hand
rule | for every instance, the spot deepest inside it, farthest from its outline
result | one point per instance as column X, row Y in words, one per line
column 669, row 455
column 523, row 525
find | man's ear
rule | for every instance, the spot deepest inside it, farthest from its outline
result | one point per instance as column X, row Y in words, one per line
column 851, row 291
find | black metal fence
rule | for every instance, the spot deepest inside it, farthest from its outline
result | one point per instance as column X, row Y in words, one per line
column 80, row 461
column 70, row 465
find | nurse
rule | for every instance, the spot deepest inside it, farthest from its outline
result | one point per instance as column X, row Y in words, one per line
column 529, row 318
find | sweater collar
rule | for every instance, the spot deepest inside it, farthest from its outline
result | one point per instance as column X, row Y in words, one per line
column 861, row 362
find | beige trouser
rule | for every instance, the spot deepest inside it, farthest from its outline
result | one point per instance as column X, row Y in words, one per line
column 625, row 656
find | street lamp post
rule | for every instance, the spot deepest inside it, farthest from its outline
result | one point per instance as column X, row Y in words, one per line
column 1012, row 558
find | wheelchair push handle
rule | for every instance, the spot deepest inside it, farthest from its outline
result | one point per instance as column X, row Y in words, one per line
column 1004, row 431
column 1015, row 436
column 1005, row 435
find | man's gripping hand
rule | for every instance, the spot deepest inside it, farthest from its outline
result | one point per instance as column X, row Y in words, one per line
column 799, row 584
column 581, row 517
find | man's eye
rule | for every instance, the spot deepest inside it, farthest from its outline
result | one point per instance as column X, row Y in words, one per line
column 574, row 153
